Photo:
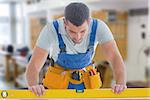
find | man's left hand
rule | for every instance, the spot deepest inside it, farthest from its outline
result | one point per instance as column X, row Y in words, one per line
column 118, row 88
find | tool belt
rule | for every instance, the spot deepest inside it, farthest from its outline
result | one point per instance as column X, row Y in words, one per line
column 58, row 78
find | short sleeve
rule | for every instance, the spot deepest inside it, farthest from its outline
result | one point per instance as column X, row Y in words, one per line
column 45, row 39
column 103, row 34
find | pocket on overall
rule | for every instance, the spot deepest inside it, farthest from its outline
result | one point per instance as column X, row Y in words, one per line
column 55, row 80
column 95, row 81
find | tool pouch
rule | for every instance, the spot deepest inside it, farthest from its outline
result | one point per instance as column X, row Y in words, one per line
column 95, row 81
column 92, row 82
column 55, row 80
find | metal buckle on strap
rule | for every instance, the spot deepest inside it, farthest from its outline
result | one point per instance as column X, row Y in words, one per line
column 90, row 48
column 63, row 49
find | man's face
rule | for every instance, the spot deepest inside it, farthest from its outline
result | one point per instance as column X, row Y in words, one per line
column 77, row 33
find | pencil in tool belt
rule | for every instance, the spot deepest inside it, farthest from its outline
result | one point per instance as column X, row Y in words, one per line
column 90, row 72
column 93, row 71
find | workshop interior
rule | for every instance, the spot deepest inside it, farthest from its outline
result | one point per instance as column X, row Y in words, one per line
column 22, row 20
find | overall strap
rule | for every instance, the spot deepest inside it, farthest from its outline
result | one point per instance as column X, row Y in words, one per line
column 92, row 35
column 62, row 45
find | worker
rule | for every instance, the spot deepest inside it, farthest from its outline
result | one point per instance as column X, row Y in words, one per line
column 71, row 42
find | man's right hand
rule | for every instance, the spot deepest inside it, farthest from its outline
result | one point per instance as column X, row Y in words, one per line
column 38, row 90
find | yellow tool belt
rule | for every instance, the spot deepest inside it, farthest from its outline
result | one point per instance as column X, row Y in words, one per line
column 58, row 78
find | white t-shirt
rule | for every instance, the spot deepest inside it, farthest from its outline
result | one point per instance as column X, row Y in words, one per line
column 48, row 39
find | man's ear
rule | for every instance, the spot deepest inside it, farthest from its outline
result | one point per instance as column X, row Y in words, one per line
column 88, row 21
column 65, row 21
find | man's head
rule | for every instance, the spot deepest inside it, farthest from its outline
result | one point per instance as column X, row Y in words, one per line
column 77, row 21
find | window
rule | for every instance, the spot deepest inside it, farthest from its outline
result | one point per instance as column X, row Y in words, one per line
column 4, row 33
column 19, row 25
column 4, row 23
column 4, row 9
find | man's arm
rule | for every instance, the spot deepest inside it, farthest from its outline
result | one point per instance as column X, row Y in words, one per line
column 112, row 53
column 33, row 68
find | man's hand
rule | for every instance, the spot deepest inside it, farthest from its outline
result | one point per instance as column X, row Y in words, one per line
column 38, row 90
column 118, row 88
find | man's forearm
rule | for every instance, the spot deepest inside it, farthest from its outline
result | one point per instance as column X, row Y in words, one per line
column 119, row 69
column 115, row 59
column 36, row 63
column 32, row 74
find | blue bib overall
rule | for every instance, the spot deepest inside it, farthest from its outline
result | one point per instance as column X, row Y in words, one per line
column 75, row 61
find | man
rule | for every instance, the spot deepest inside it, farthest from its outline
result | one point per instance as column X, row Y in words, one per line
column 71, row 42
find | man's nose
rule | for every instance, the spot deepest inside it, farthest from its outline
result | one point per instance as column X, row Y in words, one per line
column 78, row 36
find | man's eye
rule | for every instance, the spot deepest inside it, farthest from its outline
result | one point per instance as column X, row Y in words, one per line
column 82, row 31
column 72, row 32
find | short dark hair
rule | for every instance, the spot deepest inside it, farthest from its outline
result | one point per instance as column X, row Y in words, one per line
column 77, row 13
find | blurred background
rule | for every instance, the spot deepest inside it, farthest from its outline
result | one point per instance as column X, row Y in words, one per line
column 22, row 20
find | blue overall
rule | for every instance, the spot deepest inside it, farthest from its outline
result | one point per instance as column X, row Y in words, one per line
column 75, row 61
